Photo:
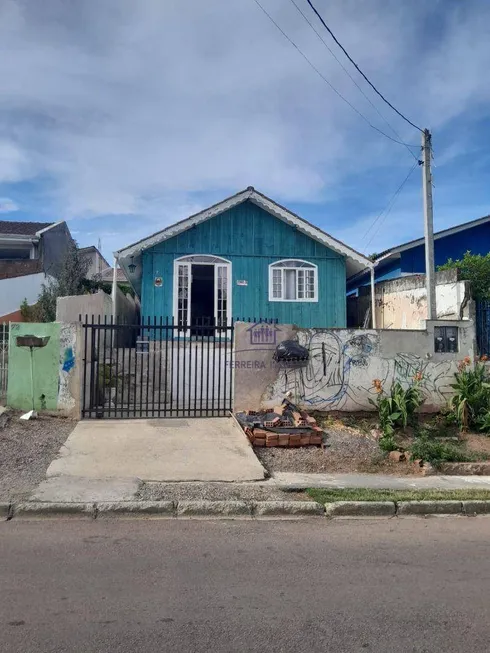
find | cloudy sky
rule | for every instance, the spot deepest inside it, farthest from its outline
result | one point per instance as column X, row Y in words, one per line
column 122, row 117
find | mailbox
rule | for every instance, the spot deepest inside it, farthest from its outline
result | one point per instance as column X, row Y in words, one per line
column 32, row 341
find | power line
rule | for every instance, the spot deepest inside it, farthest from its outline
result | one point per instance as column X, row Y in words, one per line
column 350, row 76
column 386, row 211
column 359, row 70
column 326, row 80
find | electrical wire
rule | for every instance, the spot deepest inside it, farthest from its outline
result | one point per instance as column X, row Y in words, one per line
column 350, row 76
column 359, row 70
column 386, row 211
column 327, row 82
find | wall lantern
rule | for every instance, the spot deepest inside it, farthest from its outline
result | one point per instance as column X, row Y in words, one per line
column 132, row 266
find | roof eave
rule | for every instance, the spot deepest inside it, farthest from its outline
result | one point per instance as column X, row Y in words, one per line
column 260, row 200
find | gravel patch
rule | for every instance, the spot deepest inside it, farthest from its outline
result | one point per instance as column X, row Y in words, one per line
column 345, row 449
column 26, row 450
column 215, row 492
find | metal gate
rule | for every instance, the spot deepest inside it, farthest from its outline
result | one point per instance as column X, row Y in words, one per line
column 483, row 327
column 157, row 369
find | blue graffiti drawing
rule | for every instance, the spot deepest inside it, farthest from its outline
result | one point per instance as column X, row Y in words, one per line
column 69, row 360
column 326, row 380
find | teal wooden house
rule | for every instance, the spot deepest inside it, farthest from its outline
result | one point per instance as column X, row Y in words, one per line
column 245, row 257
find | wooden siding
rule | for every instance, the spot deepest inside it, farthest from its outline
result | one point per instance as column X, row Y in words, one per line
column 251, row 239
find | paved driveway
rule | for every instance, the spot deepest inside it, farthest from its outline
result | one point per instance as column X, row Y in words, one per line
column 211, row 449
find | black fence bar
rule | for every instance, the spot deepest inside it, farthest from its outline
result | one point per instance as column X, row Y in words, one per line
column 193, row 376
column 483, row 327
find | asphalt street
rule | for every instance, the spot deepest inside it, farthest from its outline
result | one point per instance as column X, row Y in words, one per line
column 413, row 585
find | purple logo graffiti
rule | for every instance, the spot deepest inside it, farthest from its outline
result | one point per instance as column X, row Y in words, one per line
column 263, row 334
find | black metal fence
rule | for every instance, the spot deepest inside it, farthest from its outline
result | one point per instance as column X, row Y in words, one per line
column 483, row 327
column 157, row 368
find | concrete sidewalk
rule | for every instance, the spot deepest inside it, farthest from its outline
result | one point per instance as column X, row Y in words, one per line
column 292, row 481
column 210, row 449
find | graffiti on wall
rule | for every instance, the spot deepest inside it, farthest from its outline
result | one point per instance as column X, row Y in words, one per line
column 68, row 360
column 343, row 365
column 67, row 363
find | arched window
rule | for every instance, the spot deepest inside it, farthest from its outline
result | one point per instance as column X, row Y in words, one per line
column 293, row 280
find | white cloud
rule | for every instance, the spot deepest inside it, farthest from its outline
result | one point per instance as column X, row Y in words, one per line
column 132, row 108
column 7, row 205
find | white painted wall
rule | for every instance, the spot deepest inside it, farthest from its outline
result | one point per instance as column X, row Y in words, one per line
column 402, row 303
column 14, row 291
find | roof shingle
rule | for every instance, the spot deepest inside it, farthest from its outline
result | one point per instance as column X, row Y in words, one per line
column 22, row 228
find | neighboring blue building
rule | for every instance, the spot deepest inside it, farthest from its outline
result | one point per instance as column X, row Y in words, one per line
column 244, row 257
column 410, row 258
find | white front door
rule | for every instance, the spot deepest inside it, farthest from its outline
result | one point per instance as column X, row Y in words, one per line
column 222, row 286
column 183, row 289
column 182, row 294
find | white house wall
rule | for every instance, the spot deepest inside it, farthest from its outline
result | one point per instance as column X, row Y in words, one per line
column 14, row 291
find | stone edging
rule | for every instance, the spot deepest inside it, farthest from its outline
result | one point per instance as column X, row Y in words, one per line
column 241, row 509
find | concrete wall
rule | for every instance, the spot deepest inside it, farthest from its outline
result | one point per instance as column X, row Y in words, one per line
column 343, row 364
column 54, row 246
column 14, row 291
column 69, row 309
column 402, row 303
column 56, row 369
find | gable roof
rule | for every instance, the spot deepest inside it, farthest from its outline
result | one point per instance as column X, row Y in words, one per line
column 93, row 249
column 356, row 260
column 12, row 228
column 437, row 235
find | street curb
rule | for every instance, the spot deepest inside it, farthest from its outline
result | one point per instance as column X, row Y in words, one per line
column 287, row 509
column 204, row 509
column 156, row 509
column 344, row 509
column 476, row 507
column 409, row 508
column 241, row 509
column 41, row 509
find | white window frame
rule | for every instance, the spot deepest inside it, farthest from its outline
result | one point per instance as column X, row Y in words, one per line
column 279, row 265
column 203, row 259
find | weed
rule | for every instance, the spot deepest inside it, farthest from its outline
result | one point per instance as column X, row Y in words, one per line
column 471, row 399
column 435, row 452
column 397, row 409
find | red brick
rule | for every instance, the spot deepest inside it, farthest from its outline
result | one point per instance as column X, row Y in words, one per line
column 315, row 439
column 295, row 441
column 259, row 442
column 283, row 440
column 305, row 440
column 272, row 437
column 296, row 417
column 260, row 433
column 310, row 420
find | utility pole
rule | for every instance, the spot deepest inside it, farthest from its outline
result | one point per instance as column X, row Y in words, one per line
column 430, row 273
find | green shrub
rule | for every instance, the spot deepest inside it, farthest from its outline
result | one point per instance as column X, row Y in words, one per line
column 387, row 443
column 471, row 399
column 397, row 409
column 435, row 452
